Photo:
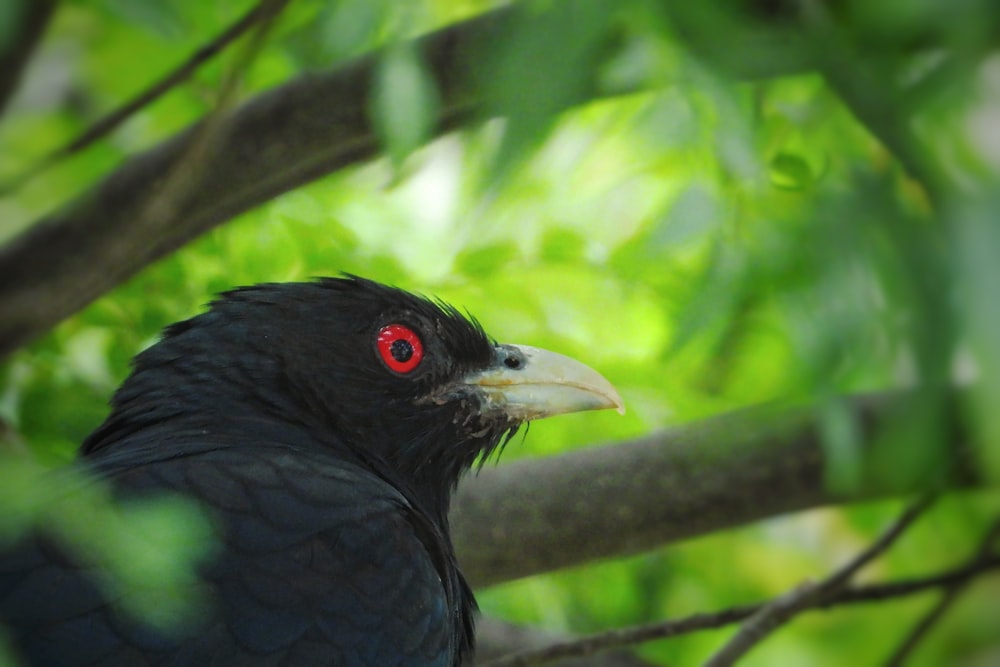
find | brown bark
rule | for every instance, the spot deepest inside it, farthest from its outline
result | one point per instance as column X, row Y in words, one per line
column 535, row 516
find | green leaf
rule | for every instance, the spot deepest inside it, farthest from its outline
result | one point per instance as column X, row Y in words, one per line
column 339, row 30
column 790, row 172
column 165, row 19
column 486, row 260
column 544, row 64
column 405, row 102
column 842, row 445
column 562, row 245
column 143, row 552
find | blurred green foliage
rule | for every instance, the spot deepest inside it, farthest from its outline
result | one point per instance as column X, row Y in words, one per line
column 140, row 553
column 706, row 244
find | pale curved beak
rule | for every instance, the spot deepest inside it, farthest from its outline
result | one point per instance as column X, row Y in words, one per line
column 529, row 383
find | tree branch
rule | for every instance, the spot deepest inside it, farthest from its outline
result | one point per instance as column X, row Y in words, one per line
column 603, row 641
column 948, row 598
column 277, row 141
column 179, row 183
column 496, row 638
column 264, row 10
column 784, row 608
column 24, row 38
column 531, row 516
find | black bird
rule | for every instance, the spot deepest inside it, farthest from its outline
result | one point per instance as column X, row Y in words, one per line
column 323, row 427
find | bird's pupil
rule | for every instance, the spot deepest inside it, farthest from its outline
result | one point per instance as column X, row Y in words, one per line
column 401, row 350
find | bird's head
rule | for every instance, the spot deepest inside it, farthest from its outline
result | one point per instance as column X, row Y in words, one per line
column 404, row 383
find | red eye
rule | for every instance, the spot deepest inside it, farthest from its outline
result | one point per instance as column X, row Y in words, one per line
column 400, row 347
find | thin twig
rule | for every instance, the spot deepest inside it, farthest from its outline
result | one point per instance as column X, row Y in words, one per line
column 603, row 641
column 948, row 598
column 785, row 607
column 906, row 587
column 619, row 638
column 262, row 11
column 185, row 173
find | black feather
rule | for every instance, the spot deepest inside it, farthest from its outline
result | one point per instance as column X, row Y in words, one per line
column 328, row 475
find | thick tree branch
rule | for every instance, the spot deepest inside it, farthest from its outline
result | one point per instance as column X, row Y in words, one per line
column 179, row 184
column 277, row 141
column 535, row 516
